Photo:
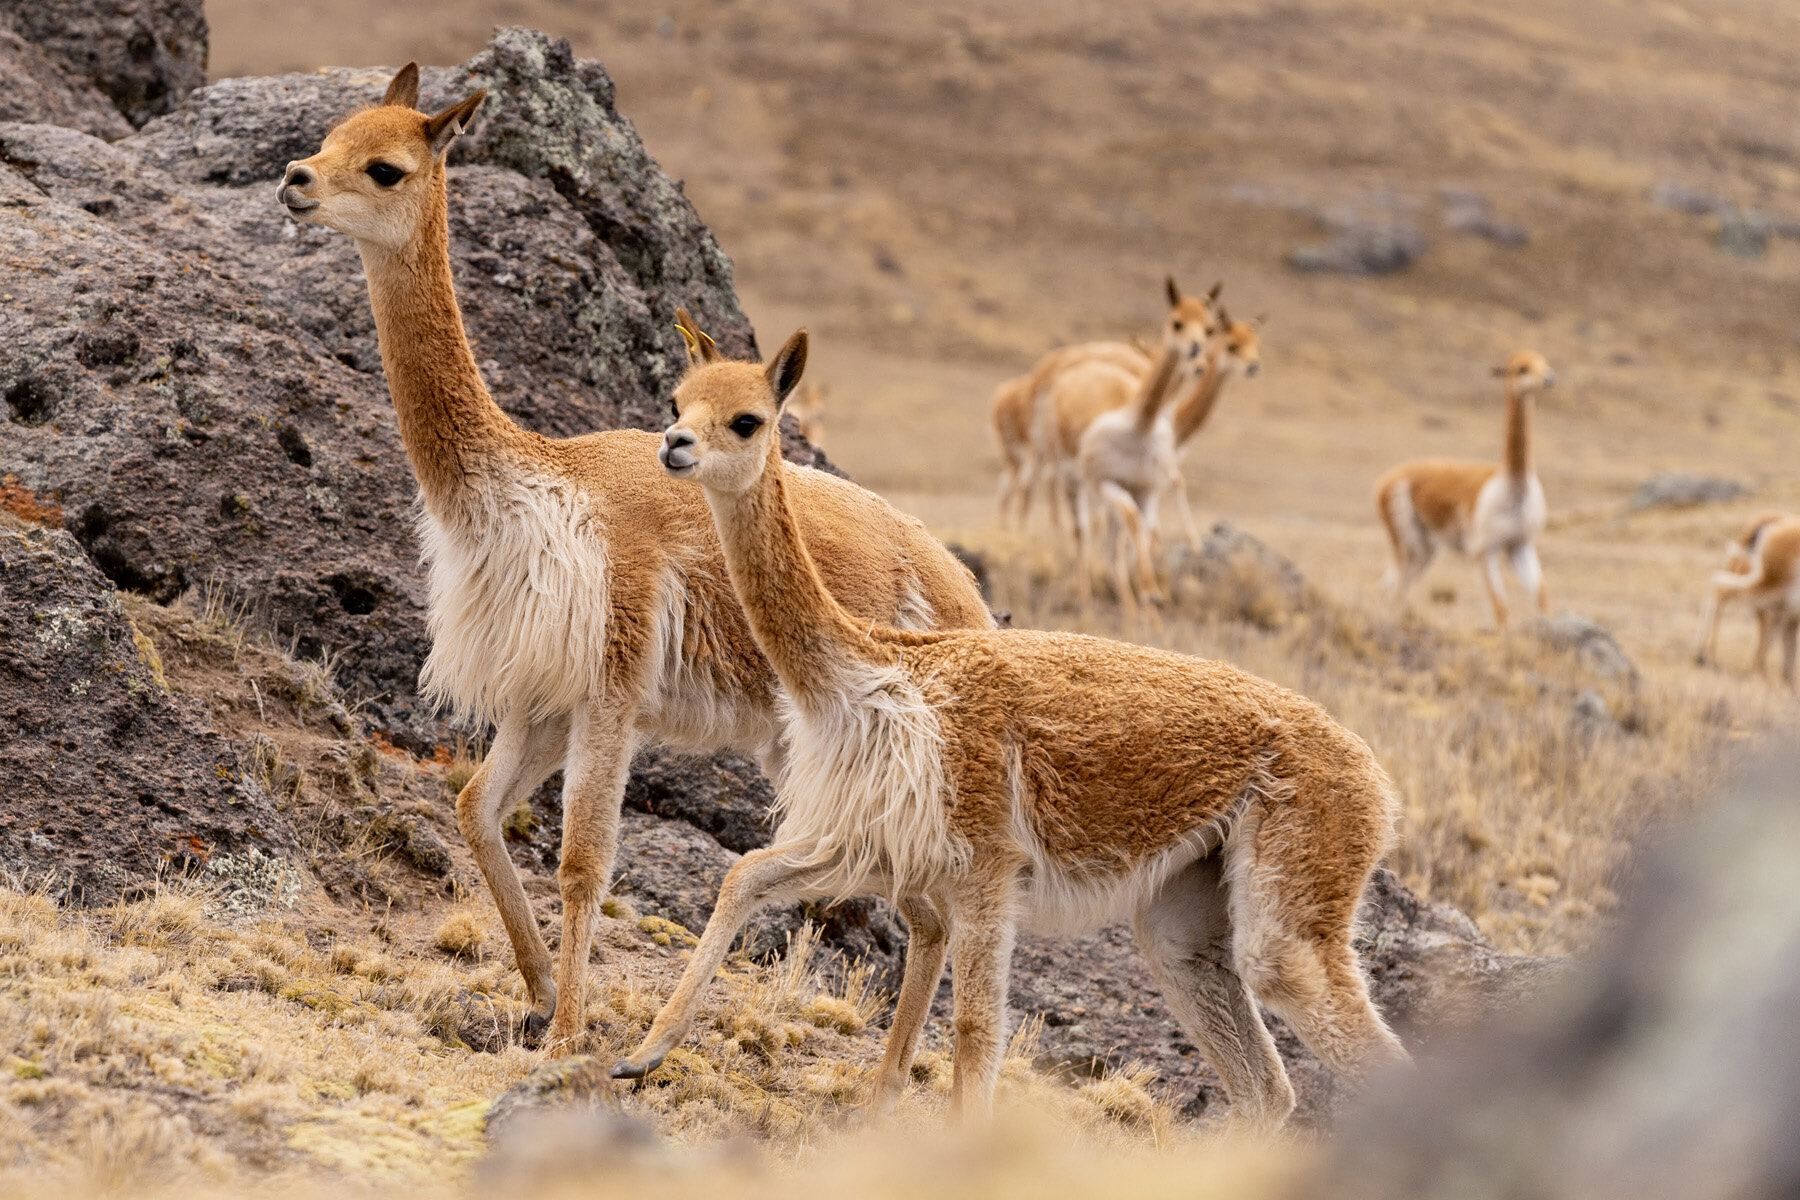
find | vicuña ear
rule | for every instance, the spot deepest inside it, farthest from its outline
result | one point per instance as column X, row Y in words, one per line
column 1224, row 317
column 442, row 128
column 1173, row 291
column 1212, row 297
column 701, row 347
column 403, row 92
column 789, row 363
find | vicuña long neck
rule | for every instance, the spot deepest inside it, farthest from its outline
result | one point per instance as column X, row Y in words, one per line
column 1518, row 434
column 447, row 418
column 1153, row 391
column 812, row 643
column 1192, row 412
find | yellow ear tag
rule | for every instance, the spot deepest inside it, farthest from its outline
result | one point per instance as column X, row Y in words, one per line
column 692, row 345
column 707, row 338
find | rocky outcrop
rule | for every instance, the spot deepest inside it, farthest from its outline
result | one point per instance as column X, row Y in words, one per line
column 33, row 88
column 1667, row 1068
column 111, row 782
column 143, row 55
column 1674, row 489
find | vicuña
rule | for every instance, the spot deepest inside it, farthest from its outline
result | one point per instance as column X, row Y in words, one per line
column 1052, row 780
column 1484, row 511
column 1763, row 570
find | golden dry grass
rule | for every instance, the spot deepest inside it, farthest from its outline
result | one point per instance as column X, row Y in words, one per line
column 161, row 1042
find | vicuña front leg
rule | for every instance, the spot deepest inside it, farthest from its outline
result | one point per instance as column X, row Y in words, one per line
column 593, row 790
column 522, row 757
column 927, row 942
column 1531, row 575
column 762, row 877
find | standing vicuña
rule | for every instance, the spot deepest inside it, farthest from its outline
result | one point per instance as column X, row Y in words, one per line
column 1764, row 570
column 1126, row 462
column 577, row 602
column 1021, row 776
column 1476, row 508
column 1130, row 455
column 1038, row 417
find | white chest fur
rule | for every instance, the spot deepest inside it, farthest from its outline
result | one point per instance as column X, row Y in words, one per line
column 518, row 611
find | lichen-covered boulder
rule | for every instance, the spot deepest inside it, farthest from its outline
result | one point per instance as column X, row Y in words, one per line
column 145, row 55
column 110, row 782
column 33, row 88
column 548, row 116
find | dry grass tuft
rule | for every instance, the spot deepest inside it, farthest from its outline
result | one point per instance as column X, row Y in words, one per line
column 461, row 934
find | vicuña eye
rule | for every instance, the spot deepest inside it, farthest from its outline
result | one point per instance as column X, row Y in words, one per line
column 746, row 425
column 1178, row 327
column 386, row 174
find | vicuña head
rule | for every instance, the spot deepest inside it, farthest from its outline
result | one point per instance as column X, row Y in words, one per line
column 726, row 427
column 1239, row 343
column 379, row 175
column 1188, row 320
column 1525, row 373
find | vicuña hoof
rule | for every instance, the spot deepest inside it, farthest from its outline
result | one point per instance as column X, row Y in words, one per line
column 536, row 1024
column 626, row 1069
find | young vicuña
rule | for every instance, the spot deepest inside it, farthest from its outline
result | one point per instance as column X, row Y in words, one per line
column 576, row 600
column 1126, row 461
column 1038, row 434
column 1018, row 776
column 1130, row 455
column 1763, row 570
column 1478, row 509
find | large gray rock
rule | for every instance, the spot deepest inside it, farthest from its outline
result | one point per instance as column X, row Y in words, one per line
column 1670, row 1067
column 110, row 781
column 145, row 55
column 33, row 88
column 1675, row 489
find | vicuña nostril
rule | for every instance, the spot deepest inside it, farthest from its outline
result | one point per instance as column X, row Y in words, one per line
column 677, row 439
column 299, row 177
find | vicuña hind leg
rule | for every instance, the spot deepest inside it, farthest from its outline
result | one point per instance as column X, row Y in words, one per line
column 600, row 739
column 981, row 946
column 1185, row 932
column 1291, row 942
column 523, row 756
column 1530, row 573
column 1495, row 585
column 1790, row 635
